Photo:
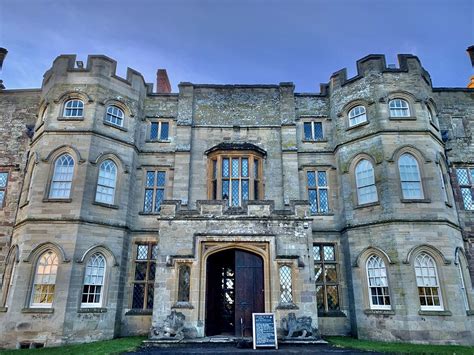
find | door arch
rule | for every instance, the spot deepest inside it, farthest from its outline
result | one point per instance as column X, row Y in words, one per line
column 234, row 290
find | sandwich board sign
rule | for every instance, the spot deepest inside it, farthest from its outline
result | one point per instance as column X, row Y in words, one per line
column 264, row 330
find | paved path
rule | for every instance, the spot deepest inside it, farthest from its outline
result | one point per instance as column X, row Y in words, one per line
column 286, row 349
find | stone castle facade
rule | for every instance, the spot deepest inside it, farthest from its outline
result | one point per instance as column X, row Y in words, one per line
column 126, row 211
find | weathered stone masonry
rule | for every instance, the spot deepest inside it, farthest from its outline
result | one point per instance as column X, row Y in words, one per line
column 291, row 208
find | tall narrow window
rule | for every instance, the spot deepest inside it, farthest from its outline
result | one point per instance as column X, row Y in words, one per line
column 462, row 283
column 444, row 183
column 410, row 177
column 73, row 108
column 154, row 191
column 45, row 280
column 318, row 191
column 184, row 283
column 114, row 115
column 3, row 187
column 378, row 283
column 399, row 108
column 286, row 292
column 106, row 182
column 427, row 281
column 465, row 178
column 357, row 115
column 26, row 193
column 92, row 292
column 313, row 131
column 365, row 182
column 235, row 180
column 62, row 177
column 159, row 130
column 325, row 274
column 145, row 267
column 8, row 278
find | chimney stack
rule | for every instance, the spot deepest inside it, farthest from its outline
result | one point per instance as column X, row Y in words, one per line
column 162, row 82
column 470, row 52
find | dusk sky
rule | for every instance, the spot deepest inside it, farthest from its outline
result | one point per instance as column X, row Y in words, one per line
column 230, row 42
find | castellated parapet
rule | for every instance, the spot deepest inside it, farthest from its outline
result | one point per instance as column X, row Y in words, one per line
column 322, row 208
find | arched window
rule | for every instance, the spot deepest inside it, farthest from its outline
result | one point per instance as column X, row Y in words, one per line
column 462, row 282
column 62, row 177
column 286, row 293
column 114, row 115
column 106, row 182
column 399, row 108
column 9, row 275
column 357, row 115
column 410, row 177
column 427, row 281
column 74, row 108
column 92, row 292
column 377, row 280
column 365, row 182
column 45, row 280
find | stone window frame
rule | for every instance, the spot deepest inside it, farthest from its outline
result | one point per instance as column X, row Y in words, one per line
column 118, row 179
column 443, row 174
column 178, row 263
column 160, row 122
column 114, row 112
column 127, row 114
column 316, row 169
column 32, row 304
column 151, row 243
column 215, row 178
column 30, row 173
column 469, row 186
column 51, row 178
column 291, row 265
column 327, row 312
column 386, row 262
column 441, row 306
column 462, row 266
column 166, row 187
column 355, row 162
column 421, row 160
column 350, row 117
column 312, row 122
column 72, row 95
column 81, row 108
column 11, row 262
column 103, row 285
column 406, row 96
column 348, row 107
column 4, row 189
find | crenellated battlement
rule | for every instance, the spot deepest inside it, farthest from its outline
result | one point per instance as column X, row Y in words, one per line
column 376, row 63
column 96, row 65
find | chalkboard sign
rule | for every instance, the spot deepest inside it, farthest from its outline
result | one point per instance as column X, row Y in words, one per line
column 264, row 330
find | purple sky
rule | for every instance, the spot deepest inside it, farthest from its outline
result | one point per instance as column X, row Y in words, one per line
column 244, row 41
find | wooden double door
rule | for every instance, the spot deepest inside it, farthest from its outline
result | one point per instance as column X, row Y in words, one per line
column 234, row 291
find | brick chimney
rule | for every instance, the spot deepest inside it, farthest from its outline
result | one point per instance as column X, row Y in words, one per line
column 162, row 82
column 470, row 52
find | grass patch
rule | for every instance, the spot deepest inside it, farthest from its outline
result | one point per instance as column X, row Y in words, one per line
column 399, row 348
column 115, row 346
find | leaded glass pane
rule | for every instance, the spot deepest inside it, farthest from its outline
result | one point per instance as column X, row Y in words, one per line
column 313, row 202
column 159, row 199
column 467, row 198
column 160, row 178
column 214, row 169
column 245, row 167
column 332, row 298
column 151, row 272
column 318, row 273
column 147, row 206
column 328, row 251
column 311, row 179
column 245, row 190
column 164, row 130
column 140, row 271
column 318, row 130
column 154, row 130
column 307, row 131
column 462, row 176
column 235, row 167
column 322, row 180
column 150, row 295
column 142, row 251
column 235, row 192
column 255, row 167
column 225, row 167
column 330, row 273
column 154, row 252
column 138, row 296
column 2, row 198
column 3, row 179
column 320, row 297
column 150, row 178
column 225, row 189
column 285, row 285
column 316, row 252
column 323, row 201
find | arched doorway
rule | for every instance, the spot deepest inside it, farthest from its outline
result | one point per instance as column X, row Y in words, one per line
column 234, row 291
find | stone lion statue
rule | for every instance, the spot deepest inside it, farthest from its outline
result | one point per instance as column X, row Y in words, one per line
column 172, row 326
column 295, row 326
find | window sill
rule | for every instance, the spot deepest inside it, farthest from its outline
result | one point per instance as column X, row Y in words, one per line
column 357, row 125
column 331, row 314
column 106, row 123
column 62, row 118
column 315, row 140
column 322, row 214
column 182, row 305
column 92, row 310
column 388, row 312
column 369, row 204
column 102, row 204
column 434, row 313
column 148, row 213
column 287, row 306
column 37, row 310
column 65, row 200
column 3, row 309
column 139, row 312
column 158, row 141
column 416, row 200
column 407, row 118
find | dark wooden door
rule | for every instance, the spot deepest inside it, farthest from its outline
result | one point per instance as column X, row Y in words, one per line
column 249, row 294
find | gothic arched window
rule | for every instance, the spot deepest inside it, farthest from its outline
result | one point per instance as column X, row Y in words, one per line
column 427, row 280
column 92, row 292
column 44, row 282
column 377, row 281
column 410, row 177
column 365, row 182
column 106, row 182
column 62, row 177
